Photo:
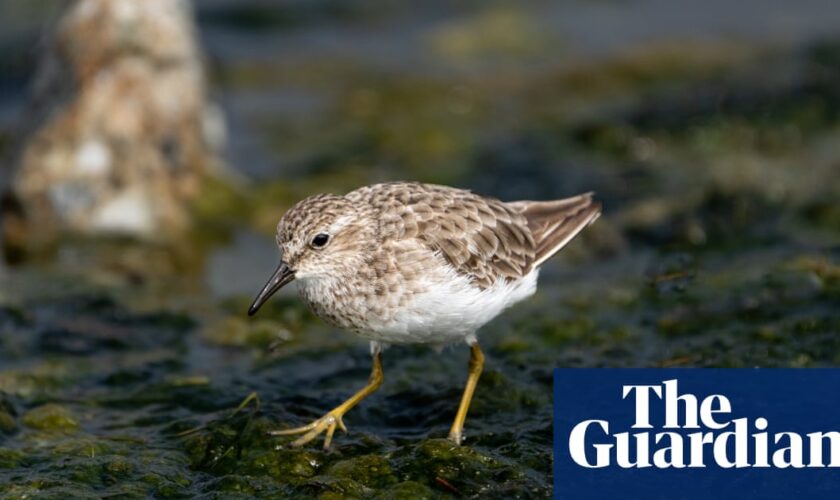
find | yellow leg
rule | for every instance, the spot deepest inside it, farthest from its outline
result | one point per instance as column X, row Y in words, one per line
column 333, row 418
column 475, row 367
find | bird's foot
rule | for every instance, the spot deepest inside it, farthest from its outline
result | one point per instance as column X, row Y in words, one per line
column 456, row 437
column 327, row 423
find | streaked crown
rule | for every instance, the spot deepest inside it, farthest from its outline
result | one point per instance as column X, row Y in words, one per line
column 325, row 234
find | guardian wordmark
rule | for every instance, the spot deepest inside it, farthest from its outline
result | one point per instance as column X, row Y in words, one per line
column 696, row 433
column 692, row 426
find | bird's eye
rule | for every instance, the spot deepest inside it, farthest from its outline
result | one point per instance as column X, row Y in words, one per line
column 320, row 240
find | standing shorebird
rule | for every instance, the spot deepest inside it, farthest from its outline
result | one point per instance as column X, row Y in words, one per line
column 410, row 263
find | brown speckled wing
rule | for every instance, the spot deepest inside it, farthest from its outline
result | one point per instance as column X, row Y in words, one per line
column 482, row 238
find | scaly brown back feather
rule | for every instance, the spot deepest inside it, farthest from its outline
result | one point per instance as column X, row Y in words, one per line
column 482, row 238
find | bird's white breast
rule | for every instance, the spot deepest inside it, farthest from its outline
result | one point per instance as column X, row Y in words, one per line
column 450, row 310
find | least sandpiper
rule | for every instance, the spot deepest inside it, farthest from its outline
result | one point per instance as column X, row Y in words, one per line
column 410, row 263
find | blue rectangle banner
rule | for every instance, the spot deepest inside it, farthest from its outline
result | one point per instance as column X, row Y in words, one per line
column 696, row 433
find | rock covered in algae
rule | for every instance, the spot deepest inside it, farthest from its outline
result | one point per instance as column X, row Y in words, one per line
column 51, row 417
column 119, row 133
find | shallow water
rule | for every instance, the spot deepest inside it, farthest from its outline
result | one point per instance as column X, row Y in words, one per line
column 122, row 367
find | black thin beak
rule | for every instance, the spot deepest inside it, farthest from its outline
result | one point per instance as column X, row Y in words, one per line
column 281, row 277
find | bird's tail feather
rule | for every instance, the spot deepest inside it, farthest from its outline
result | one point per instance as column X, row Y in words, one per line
column 554, row 223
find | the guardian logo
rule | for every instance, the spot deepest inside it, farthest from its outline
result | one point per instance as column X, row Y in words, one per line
column 697, row 433
column 708, row 423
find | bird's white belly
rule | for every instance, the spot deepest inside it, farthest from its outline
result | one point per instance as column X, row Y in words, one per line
column 450, row 311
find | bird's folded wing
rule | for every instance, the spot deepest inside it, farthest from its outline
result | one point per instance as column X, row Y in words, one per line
column 482, row 238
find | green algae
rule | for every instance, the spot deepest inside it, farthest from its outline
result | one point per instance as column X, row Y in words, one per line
column 371, row 471
column 8, row 414
column 51, row 418
column 7, row 423
column 406, row 490
column 11, row 459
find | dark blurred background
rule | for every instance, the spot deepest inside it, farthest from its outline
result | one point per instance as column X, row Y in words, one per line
column 710, row 131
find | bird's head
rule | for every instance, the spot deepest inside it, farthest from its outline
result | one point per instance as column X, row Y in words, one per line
column 323, row 236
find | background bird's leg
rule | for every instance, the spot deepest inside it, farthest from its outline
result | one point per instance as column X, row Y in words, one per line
column 475, row 367
column 333, row 418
